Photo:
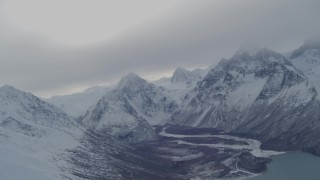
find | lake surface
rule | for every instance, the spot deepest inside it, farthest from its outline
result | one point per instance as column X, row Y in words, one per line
column 288, row 166
column 292, row 166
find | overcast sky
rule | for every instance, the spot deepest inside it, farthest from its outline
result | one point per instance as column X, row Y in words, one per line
column 53, row 47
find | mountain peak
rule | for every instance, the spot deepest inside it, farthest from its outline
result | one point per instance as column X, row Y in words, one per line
column 131, row 80
column 313, row 41
column 253, row 51
column 184, row 76
column 250, row 51
column 257, row 55
column 10, row 90
column 181, row 69
column 26, row 107
column 7, row 87
column 309, row 44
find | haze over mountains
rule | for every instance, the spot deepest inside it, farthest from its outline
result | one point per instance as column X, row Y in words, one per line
column 257, row 93
column 77, row 104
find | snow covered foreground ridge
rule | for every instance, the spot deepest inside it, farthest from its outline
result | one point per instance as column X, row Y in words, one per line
column 32, row 135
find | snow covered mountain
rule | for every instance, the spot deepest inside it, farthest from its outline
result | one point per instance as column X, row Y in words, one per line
column 181, row 82
column 184, row 76
column 307, row 59
column 129, row 109
column 259, row 93
column 77, row 104
column 33, row 133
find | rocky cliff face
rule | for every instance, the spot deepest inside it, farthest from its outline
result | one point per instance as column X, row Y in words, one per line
column 258, row 93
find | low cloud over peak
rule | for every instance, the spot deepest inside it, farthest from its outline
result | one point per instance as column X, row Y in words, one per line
column 195, row 34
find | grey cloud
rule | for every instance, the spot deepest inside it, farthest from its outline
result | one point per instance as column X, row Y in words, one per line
column 198, row 34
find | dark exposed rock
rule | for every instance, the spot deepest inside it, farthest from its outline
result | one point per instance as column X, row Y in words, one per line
column 253, row 164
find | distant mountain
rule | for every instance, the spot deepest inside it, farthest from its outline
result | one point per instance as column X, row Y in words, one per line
column 33, row 134
column 259, row 93
column 181, row 79
column 309, row 45
column 184, row 76
column 181, row 82
column 129, row 109
column 77, row 104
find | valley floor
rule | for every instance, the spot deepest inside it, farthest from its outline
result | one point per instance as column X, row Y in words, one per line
column 179, row 153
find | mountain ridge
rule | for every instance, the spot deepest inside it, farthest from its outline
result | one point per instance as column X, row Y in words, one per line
column 240, row 95
column 130, row 108
column 33, row 134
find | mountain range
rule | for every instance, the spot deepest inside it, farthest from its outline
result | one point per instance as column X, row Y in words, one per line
column 257, row 93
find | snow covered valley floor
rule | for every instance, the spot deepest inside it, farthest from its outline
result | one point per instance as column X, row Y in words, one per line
column 179, row 153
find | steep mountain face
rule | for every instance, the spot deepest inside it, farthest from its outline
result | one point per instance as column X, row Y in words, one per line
column 33, row 133
column 307, row 59
column 77, row 104
column 128, row 110
column 181, row 82
column 259, row 93
column 184, row 76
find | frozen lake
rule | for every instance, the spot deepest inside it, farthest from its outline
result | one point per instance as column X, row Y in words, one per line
column 293, row 166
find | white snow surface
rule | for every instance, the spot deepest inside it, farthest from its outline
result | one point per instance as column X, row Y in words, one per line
column 131, row 108
column 253, row 145
column 181, row 82
column 184, row 158
column 33, row 134
column 309, row 64
column 186, row 77
column 28, row 158
column 133, row 97
column 244, row 96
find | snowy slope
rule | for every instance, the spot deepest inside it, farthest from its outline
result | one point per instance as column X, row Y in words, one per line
column 33, row 134
column 184, row 76
column 77, row 104
column 130, row 109
column 181, row 82
column 257, row 92
column 307, row 59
